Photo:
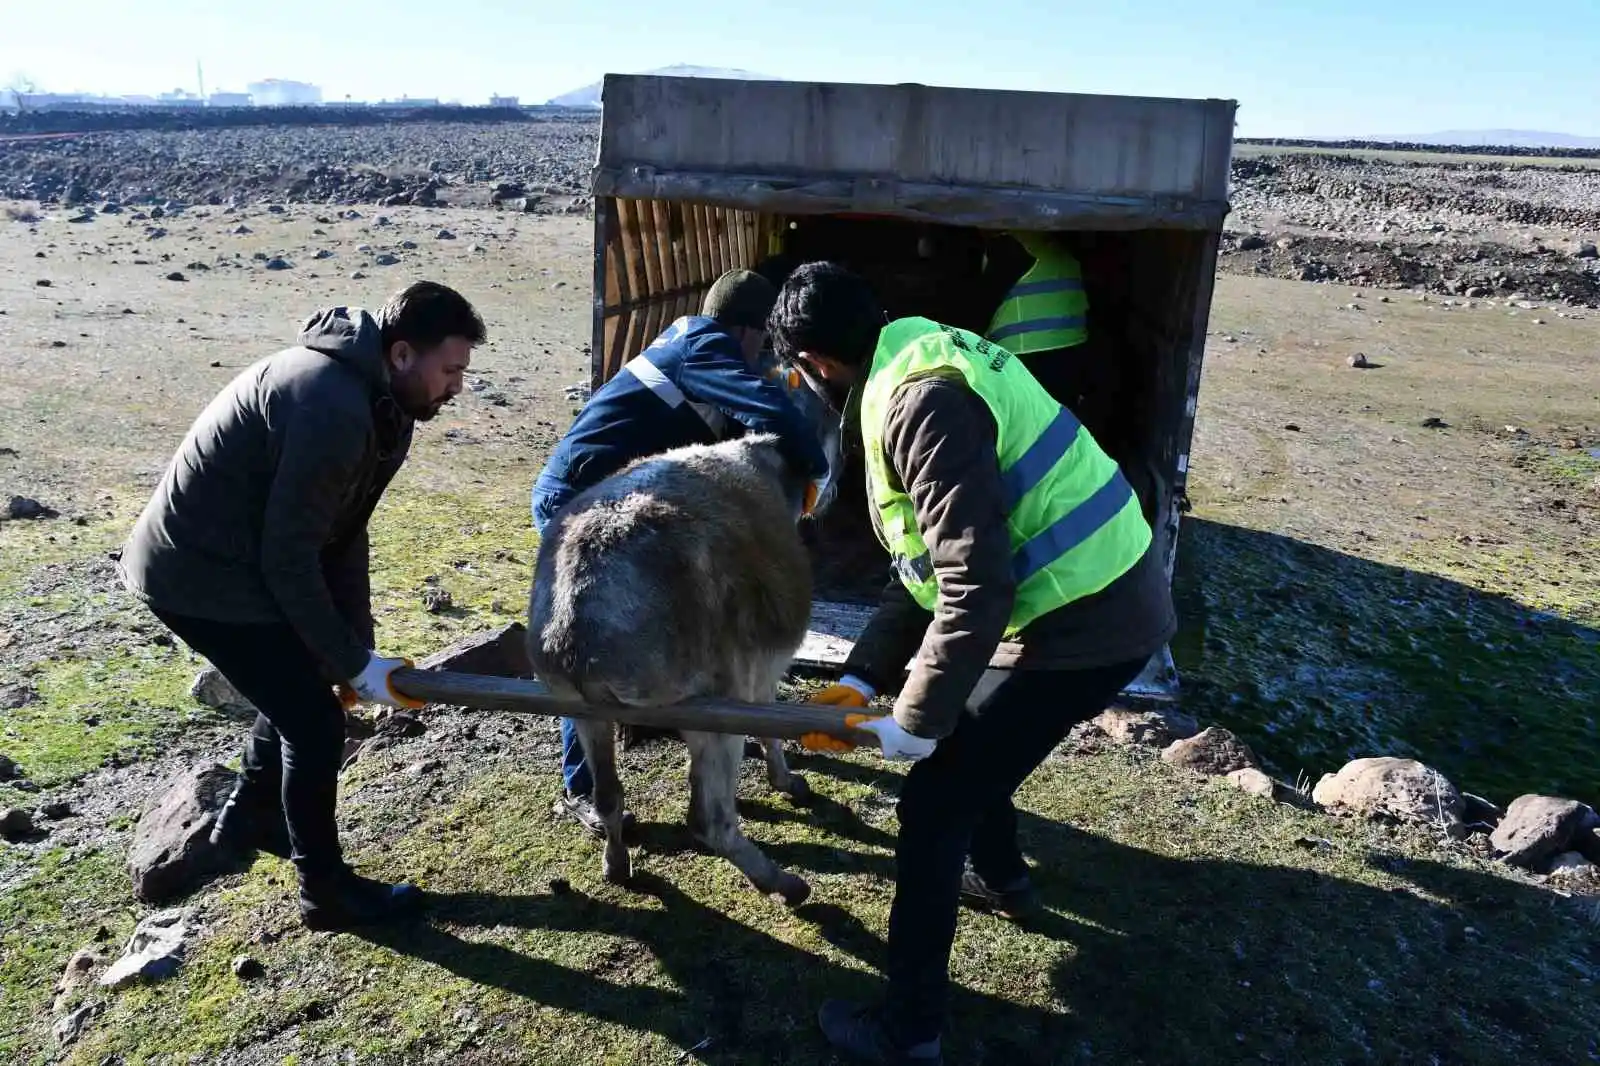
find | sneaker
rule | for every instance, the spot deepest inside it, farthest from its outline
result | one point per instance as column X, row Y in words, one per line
column 581, row 810
column 1015, row 901
column 859, row 1032
column 345, row 899
column 248, row 822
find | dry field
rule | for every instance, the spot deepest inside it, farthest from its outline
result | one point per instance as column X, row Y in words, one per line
column 1352, row 583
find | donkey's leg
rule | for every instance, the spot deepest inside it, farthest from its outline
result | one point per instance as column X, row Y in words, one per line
column 761, row 686
column 714, row 817
column 599, row 751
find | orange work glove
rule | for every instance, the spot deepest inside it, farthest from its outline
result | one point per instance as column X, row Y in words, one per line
column 347, row 696
column 824, row 742
column 849, row 691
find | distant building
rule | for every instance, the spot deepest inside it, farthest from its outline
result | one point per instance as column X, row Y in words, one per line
column 275, row 92
column 230, row 100
column 409, row 101
column 504, row 101
column 180, row 98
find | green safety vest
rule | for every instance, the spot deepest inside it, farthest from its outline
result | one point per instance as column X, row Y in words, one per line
column 1074, row 522
column 1047, row 308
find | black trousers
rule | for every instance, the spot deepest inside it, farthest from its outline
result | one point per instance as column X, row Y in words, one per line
column 956, row 803
column 295, row 747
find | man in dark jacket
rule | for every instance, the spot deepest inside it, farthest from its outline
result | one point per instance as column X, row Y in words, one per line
column 697, row 383
column 963, row 449
column 253, row 550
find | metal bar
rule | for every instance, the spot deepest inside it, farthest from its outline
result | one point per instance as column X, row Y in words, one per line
column 785, row 721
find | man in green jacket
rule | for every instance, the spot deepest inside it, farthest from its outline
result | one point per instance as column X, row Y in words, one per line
column 253, row 551
column 1018, row 546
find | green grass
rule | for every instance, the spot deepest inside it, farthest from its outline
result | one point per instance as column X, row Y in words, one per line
column 119, row 704
column 1185, row 923
column 479, row 549
column 46, row 913
column 1318, row 657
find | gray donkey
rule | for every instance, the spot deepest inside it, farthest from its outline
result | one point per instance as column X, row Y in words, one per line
column 681, row 575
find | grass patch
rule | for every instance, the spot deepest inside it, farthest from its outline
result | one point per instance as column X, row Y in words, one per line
column 90, row 709
column 1321, row 657
column 479, row 551
column 1185, row 922
column 46, row 914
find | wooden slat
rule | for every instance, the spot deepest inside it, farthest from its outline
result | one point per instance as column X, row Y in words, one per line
column 724, row 241
column 708, row 259
column 691, row 243
column 786, row 721
column 666, row 258
column 638, row 278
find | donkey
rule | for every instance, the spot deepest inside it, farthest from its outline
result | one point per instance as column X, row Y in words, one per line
column 681, row 575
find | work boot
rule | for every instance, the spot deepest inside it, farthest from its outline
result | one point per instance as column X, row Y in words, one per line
column 251, row 821
column 1014, row 900
column 343, row 899
column 581, row 810
column 858, row 1031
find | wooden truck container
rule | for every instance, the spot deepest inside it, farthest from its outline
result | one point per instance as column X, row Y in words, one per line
column 909, row 185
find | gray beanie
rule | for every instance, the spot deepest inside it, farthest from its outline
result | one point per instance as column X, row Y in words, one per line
column 741, row 298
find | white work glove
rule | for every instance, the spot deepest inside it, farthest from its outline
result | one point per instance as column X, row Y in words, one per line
column 372, row 684
column 898, row 745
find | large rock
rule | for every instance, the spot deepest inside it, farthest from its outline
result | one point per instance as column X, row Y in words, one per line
column 172, row 850
column 154, row 951
column 1214, row 751
column 16, row 824
column 79, row 973
column 1403, row 789
column 499, row 652
column 69, row 1028
column 1255, row 782
column 211, row 689
column 1152, row 729
column 1537, row 828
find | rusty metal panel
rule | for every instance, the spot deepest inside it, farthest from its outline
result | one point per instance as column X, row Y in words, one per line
column 1113, row 147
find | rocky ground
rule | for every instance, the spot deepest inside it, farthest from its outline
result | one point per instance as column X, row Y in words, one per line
column 1478, row 226
column 1465, row 226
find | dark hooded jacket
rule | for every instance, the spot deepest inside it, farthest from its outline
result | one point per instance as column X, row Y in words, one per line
column 262, row 515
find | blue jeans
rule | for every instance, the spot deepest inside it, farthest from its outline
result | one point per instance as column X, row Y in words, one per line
column 547, row 499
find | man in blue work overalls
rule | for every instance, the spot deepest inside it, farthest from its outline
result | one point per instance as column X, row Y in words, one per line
column 699, row 382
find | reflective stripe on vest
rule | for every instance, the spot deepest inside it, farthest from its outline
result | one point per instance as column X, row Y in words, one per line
column 1047, row 308
column 655, row 379
column 1073, row 520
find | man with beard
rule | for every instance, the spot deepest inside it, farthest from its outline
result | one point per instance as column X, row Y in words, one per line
column 253, row 551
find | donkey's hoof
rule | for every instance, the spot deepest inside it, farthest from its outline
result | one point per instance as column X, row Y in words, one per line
column 616, row 867
column 794, row 890
column 799, row 789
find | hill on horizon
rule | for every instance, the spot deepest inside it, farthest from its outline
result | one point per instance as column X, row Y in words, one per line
column 589, row 95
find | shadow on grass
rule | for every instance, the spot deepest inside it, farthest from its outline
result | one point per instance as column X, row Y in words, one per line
column 1319, row 657
column 1135, row 957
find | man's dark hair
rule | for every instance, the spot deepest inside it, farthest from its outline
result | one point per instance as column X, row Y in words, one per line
column 829, row 311
column 424, row 313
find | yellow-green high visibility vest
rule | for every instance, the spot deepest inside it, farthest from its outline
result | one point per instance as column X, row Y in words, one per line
column 1047, row 308
column 1074, row 522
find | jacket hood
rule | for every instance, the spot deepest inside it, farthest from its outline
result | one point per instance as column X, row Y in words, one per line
column 350, row 336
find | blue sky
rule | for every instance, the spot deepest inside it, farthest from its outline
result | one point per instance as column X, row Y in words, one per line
column 1297, row 69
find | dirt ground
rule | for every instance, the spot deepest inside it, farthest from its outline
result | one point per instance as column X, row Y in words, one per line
column 1391, row 560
